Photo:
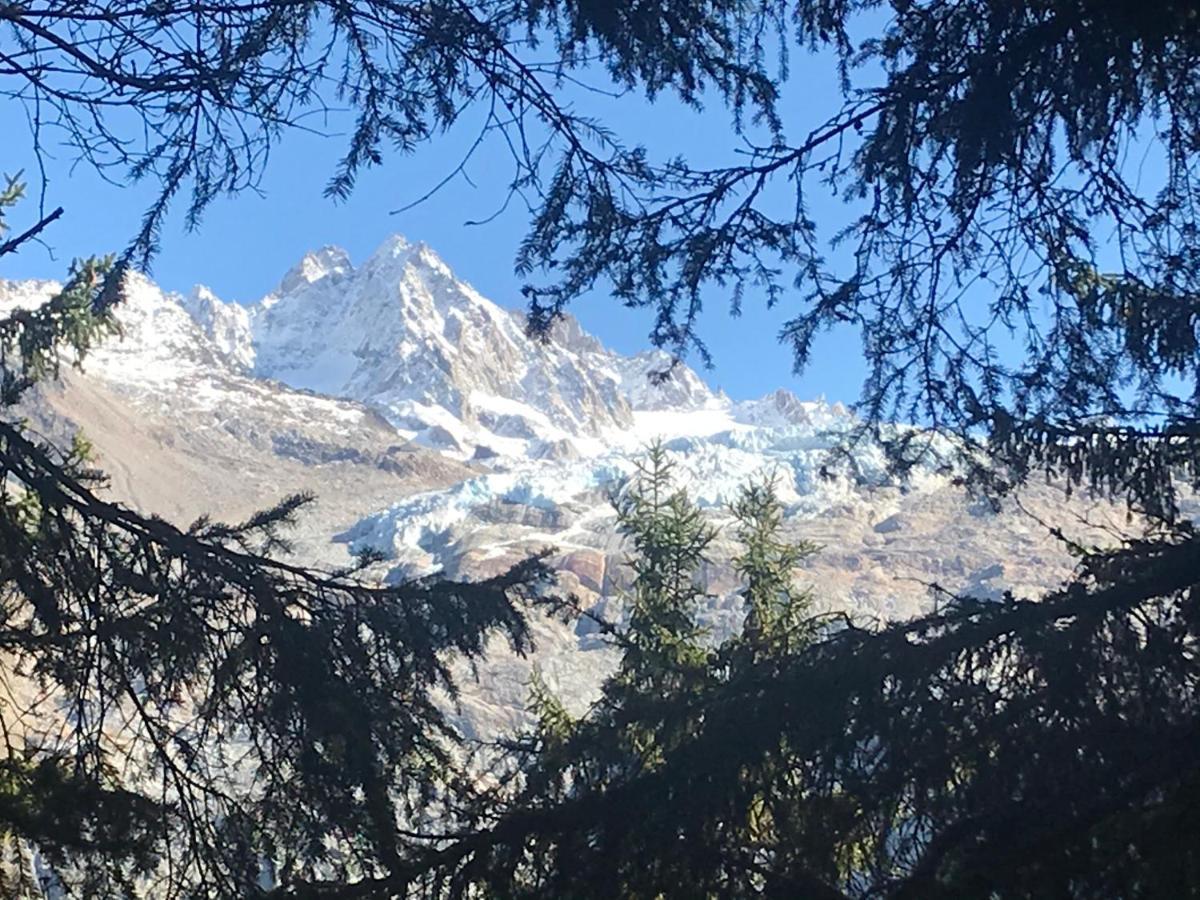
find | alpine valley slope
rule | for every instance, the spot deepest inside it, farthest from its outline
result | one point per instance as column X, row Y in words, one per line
column 431, row 427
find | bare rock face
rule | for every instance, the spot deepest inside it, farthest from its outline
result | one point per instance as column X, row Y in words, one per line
column 431, row 428
column 588, row 567
column 402, row 334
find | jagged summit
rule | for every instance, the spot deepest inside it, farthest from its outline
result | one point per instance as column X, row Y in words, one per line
column 315, row 266
column 443, row 364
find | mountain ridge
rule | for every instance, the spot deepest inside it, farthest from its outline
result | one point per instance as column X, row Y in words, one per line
column 444, row 365
column 435, row 430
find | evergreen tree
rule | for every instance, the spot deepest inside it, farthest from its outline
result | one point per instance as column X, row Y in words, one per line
column 182, row 713
column 669, row 535
column 1005, row 749
column 653, row 793
column 999, row 749
column 778, row 619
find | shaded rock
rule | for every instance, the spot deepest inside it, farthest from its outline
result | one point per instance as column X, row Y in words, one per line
column 589, row 566
column 890, row 524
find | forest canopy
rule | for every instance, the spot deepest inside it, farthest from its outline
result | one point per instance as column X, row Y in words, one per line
column 1019, row 281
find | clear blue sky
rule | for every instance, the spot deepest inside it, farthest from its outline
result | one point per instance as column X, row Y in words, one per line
column 246, row 243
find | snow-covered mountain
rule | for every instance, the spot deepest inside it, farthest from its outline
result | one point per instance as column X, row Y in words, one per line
column 445, row 366
column 433, row 428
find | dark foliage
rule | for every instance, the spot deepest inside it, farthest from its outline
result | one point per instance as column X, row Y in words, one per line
column 182, row 712
column 1017, row 279
column 1008, row 749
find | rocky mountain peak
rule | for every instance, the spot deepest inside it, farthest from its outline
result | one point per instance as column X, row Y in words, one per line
column 317, row 265
column 442, row 363
column 227, row 325
column 399, row 250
